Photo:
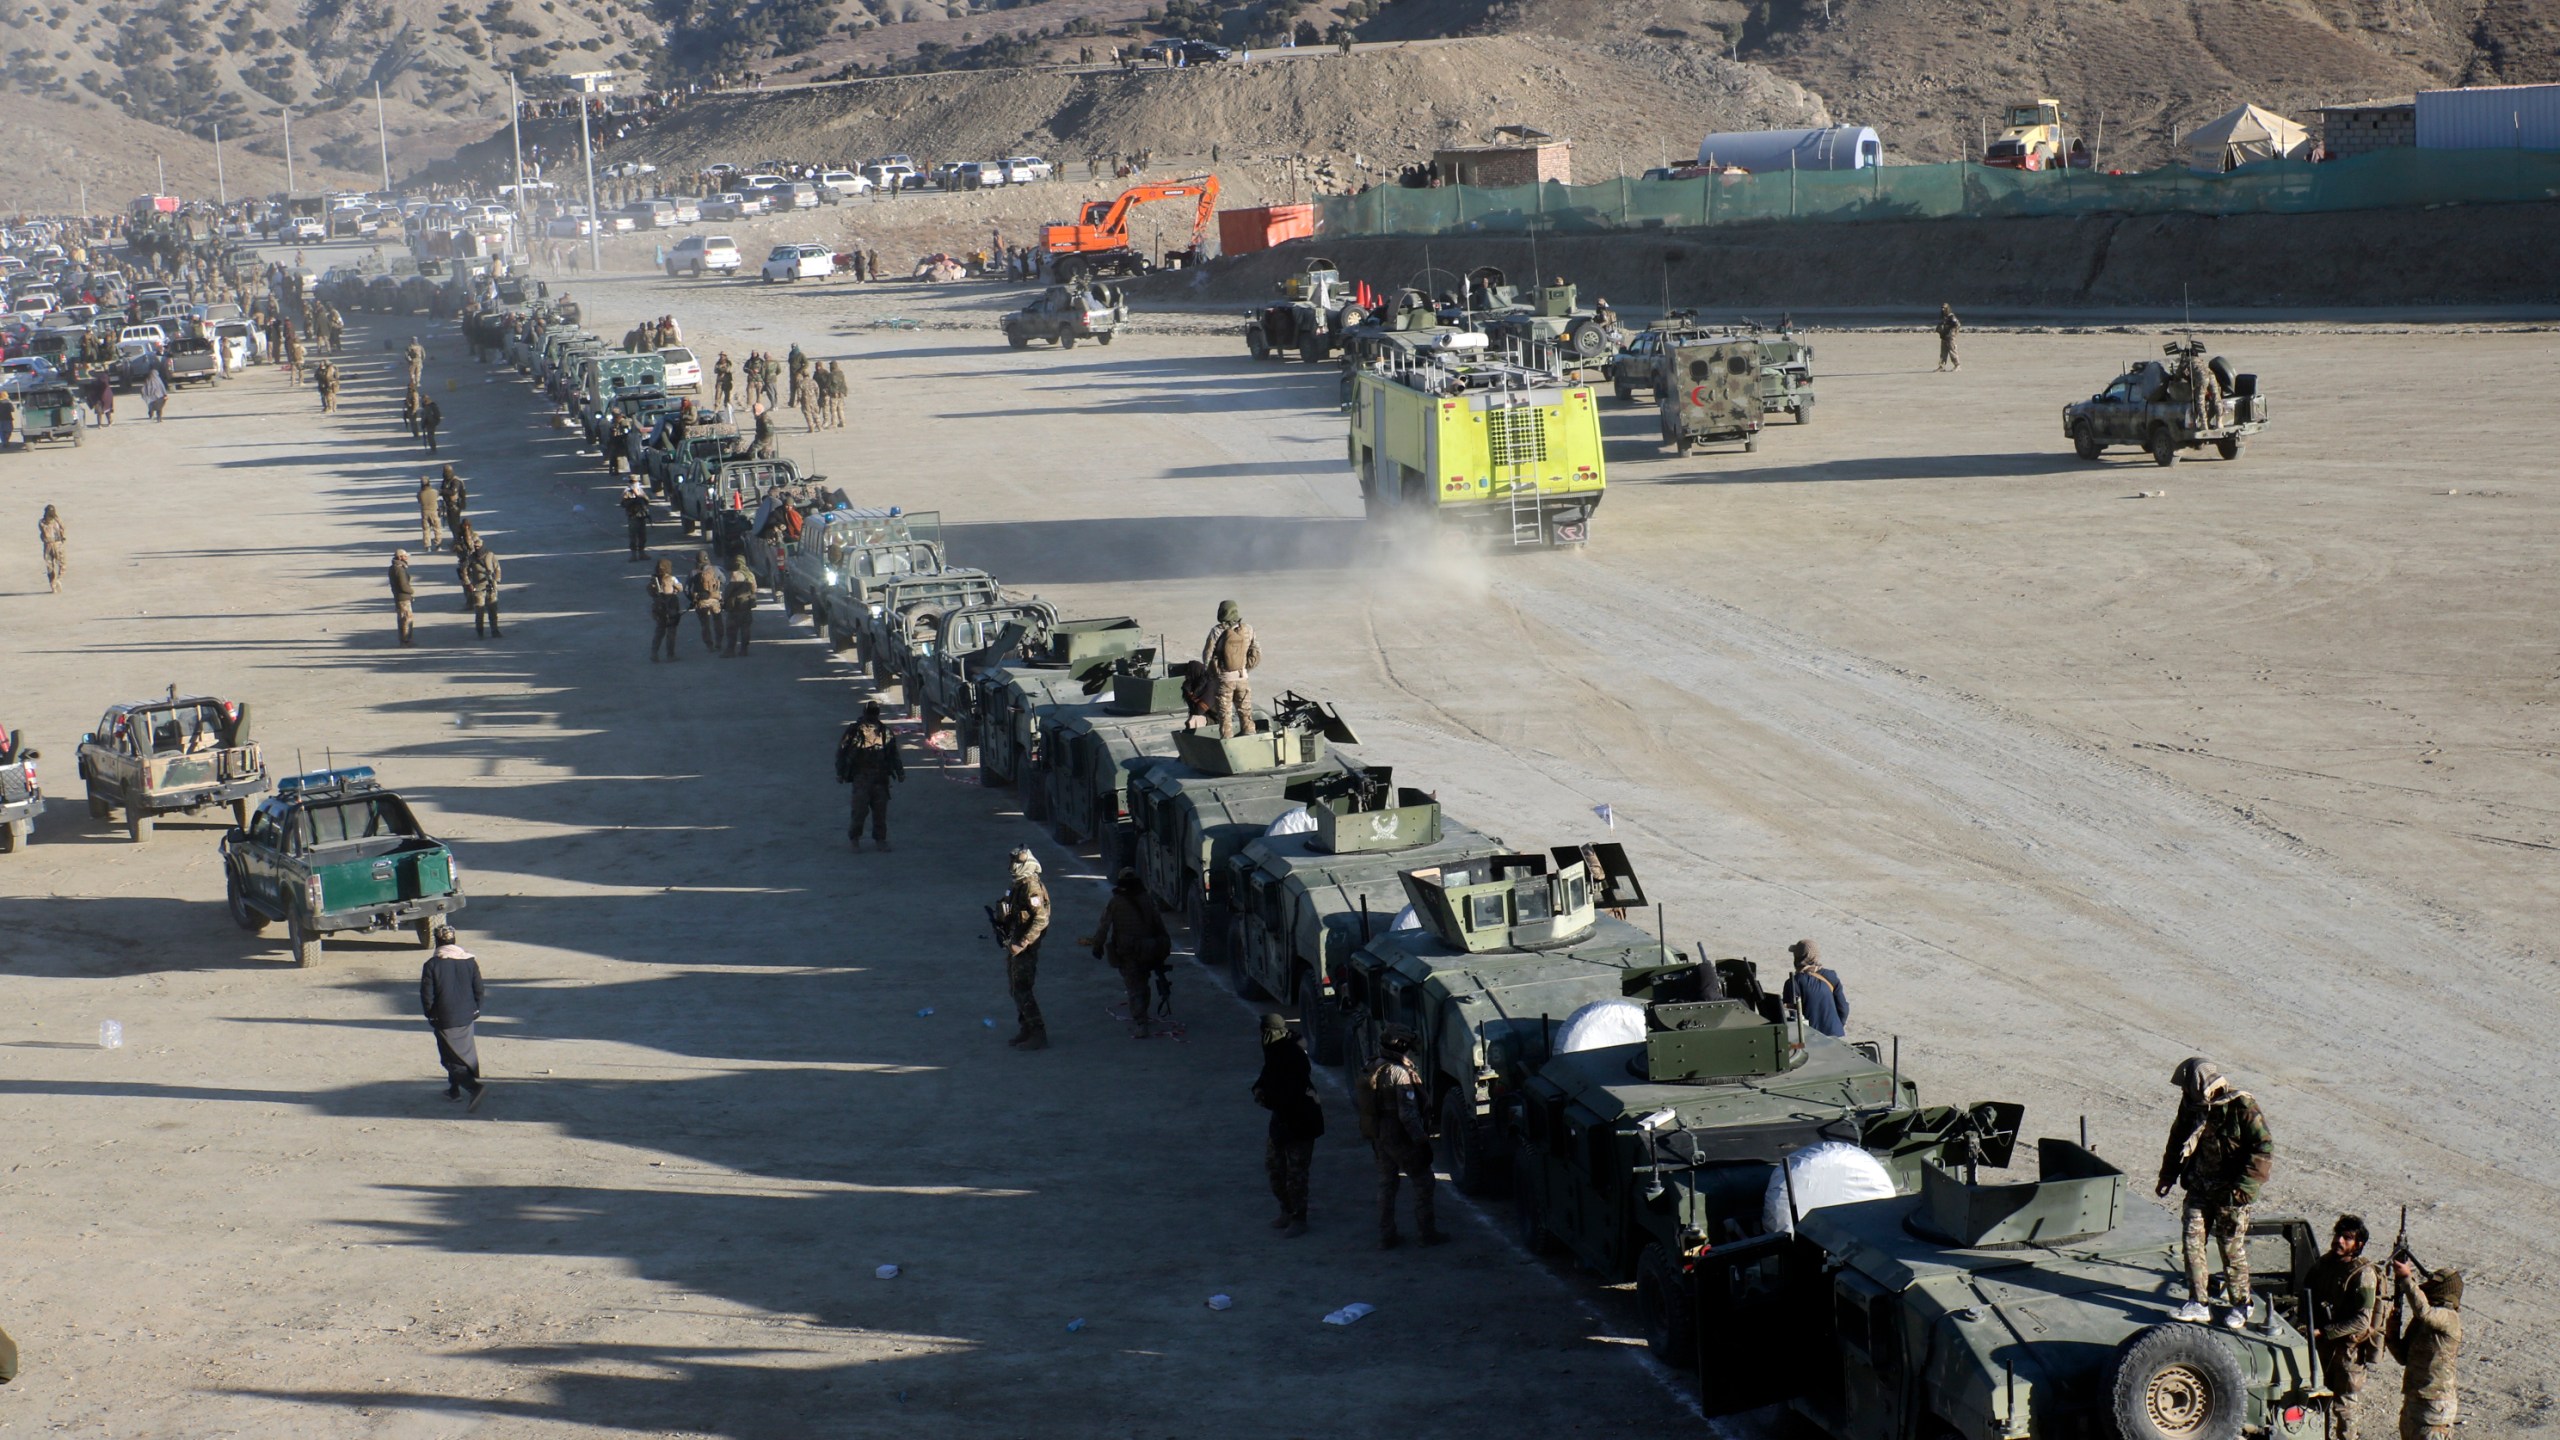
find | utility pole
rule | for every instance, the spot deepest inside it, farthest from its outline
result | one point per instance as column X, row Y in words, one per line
column 288, row 152
column 515, row 117
column 382, row 132
column 221, row 189
column 586, row 142
column 164, row 173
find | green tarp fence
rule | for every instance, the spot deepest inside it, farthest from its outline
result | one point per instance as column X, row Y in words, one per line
column 2388, row 179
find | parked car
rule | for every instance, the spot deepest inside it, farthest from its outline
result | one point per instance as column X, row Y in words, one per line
column 650, row 214
column 885, row 175
column 1023, row 169
column 699, row 255
column 845, row 182
column 688, row 211
column 798, row 195
column 799, row 262
column 684, row 370
column 306, row 227
column 732, row 206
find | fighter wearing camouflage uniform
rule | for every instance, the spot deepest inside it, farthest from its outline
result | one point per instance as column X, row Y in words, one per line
column 1133, row 941
column 706, row 600
column 430, row 533
column 867, row 759
column 1022, row 917
column 404, row 596
column 1390, row 1102
column 1231, row 654
column 2221, row 1152
column 2426, row 1345
column 2346, row 1318
column 480, row 574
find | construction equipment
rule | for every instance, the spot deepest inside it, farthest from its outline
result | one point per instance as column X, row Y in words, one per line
column 2031, row 137
column 1097, row 241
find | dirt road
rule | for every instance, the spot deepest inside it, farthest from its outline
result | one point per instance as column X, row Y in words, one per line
column 2069, row 784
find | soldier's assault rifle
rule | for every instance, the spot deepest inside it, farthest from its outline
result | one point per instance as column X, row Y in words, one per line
column 2400, row 1249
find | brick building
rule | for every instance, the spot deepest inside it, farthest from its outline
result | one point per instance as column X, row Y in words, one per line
column 1518, row 155
column 2372, row 125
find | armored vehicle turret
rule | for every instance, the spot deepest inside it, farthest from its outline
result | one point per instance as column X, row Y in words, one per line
column 1080, row 658
column 1189, row 816
column 2003, row 1308
column 1503, row 946
column 1302, row 897
column 1089, row 753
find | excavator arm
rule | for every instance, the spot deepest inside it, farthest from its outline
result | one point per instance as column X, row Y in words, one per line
column 1111, row 230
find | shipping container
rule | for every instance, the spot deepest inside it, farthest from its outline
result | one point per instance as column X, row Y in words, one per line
column 2490, row 117
column 1836, row 147
column 1241, row 232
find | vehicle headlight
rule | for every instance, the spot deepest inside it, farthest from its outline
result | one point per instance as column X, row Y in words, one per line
column 831, row 575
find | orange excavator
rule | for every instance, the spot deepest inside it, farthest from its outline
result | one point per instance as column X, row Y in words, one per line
column 1097, row 242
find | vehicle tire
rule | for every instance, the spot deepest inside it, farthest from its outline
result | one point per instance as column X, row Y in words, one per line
column 244, row 915
column 305, row 944
column 97, row 808
column 1467, row 1148
column 1104, row 338
column 2084, row 441
column 1626, row 392
column 1664, row 1307
column 2178, row 1382
column 2164, row 447
column 13, row 836
column 1066, row 342
column 1319, row 1023
column 1750, row 444
column 2229, row 446
column 137, row 825
column 1311, row 347
column 425, row 930
column 1586, row 338
column 1254, row 344
column 1018, row 342
column 1684, row 445
column 1804, row 414
column 1528, row 1206
column 697, row 269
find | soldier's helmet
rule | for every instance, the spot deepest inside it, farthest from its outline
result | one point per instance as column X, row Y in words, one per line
column 1397, row 1039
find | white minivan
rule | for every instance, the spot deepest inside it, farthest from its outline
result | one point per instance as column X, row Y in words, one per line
column 799, row 262
column 698, row 255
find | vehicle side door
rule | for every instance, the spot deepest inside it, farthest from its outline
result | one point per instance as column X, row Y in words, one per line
column 1763, row 1322
column 259, row 857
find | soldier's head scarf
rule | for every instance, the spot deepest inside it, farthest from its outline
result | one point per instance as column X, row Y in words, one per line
column 399, row 557
column 1275, row 1027
column 1229, row 612
column 1396, row 1039
column 1807, row 954
column 2199, row 1078
column 2444, row 1288
column 1025, row 864
column 1126, row 882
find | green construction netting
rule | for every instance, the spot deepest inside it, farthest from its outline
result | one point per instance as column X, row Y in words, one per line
column 2385, row 179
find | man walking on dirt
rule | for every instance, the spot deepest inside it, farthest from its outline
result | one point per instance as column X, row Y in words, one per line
column 57, row 547
column 480, row 576
column 1133, row 941
column 867, row 759
column 450, row 992
column 1231, row 655
column 738, row 604
column 404, row 596
column 1948, row 328
column 1286, row 1088
column 430, row 534
column 635, row 509
column 1021, row 918
column 430, row 416
column 2222, row 1153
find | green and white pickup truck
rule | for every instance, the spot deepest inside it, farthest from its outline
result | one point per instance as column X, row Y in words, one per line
column 333, row 852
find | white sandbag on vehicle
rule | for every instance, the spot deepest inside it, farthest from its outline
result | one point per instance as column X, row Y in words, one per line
column 1601, row 1023
column 1834, row 1172
column 1406, row 920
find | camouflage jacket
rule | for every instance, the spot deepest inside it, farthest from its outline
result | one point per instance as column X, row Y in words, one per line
column 1132, row 934
column 1231, row 649
column 2346, row 1300
column 868, row 754
column 2425, row 1345
column 2222, row 1153
column 1022, row 916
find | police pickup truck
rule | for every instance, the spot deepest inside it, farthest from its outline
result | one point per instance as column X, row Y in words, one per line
column 332, row 852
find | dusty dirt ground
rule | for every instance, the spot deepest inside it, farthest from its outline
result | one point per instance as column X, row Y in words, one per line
column 2069, row 784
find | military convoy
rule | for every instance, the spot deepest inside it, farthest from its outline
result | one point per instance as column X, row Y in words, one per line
column 1317, row 312
column 2180, row 403
column 1089, row 753
column 333, row 852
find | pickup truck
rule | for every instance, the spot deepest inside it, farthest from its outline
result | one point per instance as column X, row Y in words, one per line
column 331, row 853
column 837, row 552
column 2182, row 402
column 192, row 361
column 906, row 616
column 21, row 798
column 940, row 682
column 177, row 754
column 721, row 500
column 705, row 444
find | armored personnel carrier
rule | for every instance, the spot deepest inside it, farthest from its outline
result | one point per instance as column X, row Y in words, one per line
column 1708, row 390
column 1081, row 658
column 1638, row 1155
column 1316, row 310
column 1188, row 817
column 1301, row 900
column 1504, row 947
column 1089, row 753
column 2019, row 1308
column 1554, row 325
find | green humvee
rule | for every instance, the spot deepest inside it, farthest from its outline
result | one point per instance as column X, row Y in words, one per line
column 1303, row 900
column 1637, row 1156
column 1190, row 816
column 1076, row 658
column 332, row 852
column 1786, row 378
column 157, row 757
column 1089, row 752
column 2007, row 1310
column 1504, row 947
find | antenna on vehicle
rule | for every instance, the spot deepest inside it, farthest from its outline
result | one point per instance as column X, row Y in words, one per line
column 1897, row 1071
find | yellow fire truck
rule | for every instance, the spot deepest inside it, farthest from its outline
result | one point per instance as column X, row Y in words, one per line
column 1507, row 451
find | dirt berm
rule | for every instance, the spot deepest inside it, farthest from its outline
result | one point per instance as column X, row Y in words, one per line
column 2454, row 255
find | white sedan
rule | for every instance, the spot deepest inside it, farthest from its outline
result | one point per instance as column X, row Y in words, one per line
column 799, row 262
column 684, row 369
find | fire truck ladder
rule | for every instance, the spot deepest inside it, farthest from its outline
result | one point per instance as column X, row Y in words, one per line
column 1518, row 436
column 1526, row 526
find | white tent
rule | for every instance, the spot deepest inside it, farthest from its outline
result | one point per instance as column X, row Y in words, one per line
column 2244, row 136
